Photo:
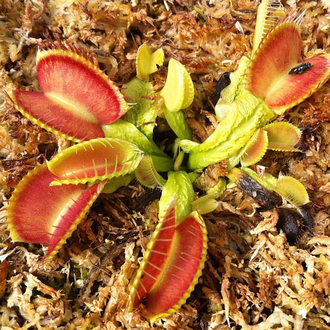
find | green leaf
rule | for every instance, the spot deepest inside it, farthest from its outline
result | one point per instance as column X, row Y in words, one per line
column 292, row 190
column 143, row 113
column 126, row 131
column 208, row 203
column 177, row 122
column 178, row 92
column 187, row 145
column 115, row 183
column 147, row 174
column 178, row 186
column 147, row 62
column 282, row 136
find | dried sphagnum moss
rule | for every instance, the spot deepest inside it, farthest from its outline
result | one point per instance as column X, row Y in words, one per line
column 253, row 279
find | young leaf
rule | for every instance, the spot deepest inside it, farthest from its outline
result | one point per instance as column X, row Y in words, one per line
column 177, row 122
column 204, row 204
column 143, row 113
column 208, row 203
column 77, row 96
column 292, row 190
column 255, row 148
column 113, row 184
column 282, row 136
column 188, row 145
column 178, row 92
column 147, row 62
column 94, row 160
column 147, row 175
column 189, row 91
column 171, row 265
column 38, row 213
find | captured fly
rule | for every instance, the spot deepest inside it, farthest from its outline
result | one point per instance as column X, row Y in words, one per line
column 300, row 68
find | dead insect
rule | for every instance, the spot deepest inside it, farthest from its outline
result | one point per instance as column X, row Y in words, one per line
column 300, row 68
column 222, row 83
column 287, row 221
column 266, row 199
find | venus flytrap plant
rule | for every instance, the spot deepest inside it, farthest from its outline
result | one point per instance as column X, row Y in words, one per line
column 115, row 145
column 272, row 81
column 262, row 88
column 117, row 150
column 67, row 108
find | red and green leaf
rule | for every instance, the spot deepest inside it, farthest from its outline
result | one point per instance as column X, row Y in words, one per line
column 77, row 96
column 255, row 148
column 98, row 159
column 39, row 213
column 54, row 117
column 270, row 74
column 171, row 265
column 147, row 175
column 292, row 89
column 277, row 53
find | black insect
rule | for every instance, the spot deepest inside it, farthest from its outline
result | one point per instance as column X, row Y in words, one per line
column 287, row 221
column 300, row 68
column 291, row 221
column 223, row 82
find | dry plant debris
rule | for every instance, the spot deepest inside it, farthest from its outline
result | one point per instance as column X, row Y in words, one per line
column 253, row 278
